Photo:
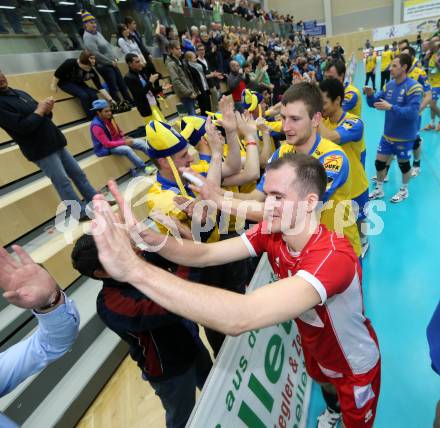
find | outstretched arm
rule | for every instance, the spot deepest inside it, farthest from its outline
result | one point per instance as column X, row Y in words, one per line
column 221, row 310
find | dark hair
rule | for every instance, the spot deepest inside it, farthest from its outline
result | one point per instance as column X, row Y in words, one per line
column 130, row 57
column 412, row 51
column 339, row 66
column 85, row 256
column 306, row 92
column 403, row 41
column 386, row 47
column 121, row 28
column 310, row 173
column 405, row 59
column 333, row 88
column 128, row 20
column 84, row 57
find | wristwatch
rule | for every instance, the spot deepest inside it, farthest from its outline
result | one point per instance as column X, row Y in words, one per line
column 52, row 304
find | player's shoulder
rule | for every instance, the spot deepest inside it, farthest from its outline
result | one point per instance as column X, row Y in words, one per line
column 413, row 86
column 326, row 147
column 350, row 88
column 352, row 119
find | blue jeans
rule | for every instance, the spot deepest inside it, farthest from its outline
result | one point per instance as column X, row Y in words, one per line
column 61, row 167
column 115, row 82
column 85, row 94
column 189, row 105
column 128, row 151
column 178, row 395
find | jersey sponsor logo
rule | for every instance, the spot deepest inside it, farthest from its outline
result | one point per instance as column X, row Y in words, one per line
column 347, row 125
column 333, row 163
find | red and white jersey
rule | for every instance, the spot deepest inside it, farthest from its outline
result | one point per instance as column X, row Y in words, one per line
column 335, row 333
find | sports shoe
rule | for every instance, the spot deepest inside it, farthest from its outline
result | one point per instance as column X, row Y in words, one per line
column 365, row 247
column 376, row 194
column 429, row 127
column 400, row 196
column 385, row 180
column 329, row 419
column 415, row 171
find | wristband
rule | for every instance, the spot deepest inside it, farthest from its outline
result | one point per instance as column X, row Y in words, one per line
column 53, row 303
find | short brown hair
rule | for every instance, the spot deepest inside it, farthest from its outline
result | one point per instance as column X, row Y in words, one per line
column 306, row 92
column 174, row 44
column 84, row 57
column 310, row 173
column 405, row 59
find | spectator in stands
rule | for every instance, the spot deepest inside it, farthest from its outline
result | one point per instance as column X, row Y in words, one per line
column 181, row 78
column 236, row 84
column 71, row 77
column 29, row 124
column 200, row 83
column 166, row 347
column 338, row 52
column 127, row 44
column 143, row 83
column 162, row 40
column 107, row 61
column 27, row 285
column 195, row 35
column 211, row 75
column 130, row 22
column 108, row 138
column 240, row 55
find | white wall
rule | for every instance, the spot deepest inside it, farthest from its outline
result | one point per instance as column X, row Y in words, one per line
column 300, row 9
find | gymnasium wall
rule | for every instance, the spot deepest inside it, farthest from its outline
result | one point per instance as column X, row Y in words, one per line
column 301, row 10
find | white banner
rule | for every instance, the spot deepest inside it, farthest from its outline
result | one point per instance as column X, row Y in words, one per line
column 420, row 9
column 259, row 379
column 403, row 30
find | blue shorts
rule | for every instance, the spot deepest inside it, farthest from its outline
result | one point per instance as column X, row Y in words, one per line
column 402, row 149
column 435, row 93
column 361, row 205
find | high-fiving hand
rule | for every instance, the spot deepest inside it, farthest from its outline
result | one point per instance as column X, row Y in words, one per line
column 25, row 283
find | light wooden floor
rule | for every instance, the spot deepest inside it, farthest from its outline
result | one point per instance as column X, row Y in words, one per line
column 127, row 401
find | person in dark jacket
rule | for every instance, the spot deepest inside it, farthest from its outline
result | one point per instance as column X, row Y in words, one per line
column 29, row 124
column 166, row 347
column 200, row 82
column 143, row 83
column 71, row 77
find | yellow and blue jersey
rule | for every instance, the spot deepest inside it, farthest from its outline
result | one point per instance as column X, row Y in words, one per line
column 160, row 197
column 338, row 190
column 419, row 75
column 352, row 100
column 402, row 120
column 387, row 57
column 351, row 132
column 370, row 63
column 434, row 71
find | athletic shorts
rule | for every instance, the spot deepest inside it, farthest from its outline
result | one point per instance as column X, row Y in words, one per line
column 435, row 93
column 358, row 394
column 361, row 202
column 402, row 149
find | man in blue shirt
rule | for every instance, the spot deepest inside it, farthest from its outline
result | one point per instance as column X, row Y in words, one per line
column 400, row 99
column 27, row 285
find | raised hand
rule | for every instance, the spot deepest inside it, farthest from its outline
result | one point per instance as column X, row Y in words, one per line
column 215, row 139
column 246, row 125
column 25, row 283
column 113, row 242
column 261, row 125
column 228, row 121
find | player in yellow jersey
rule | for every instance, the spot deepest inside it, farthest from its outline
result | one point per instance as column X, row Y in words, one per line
column 347, row 131
column 352, row 96
column 301, row 114
column 385, row 65
column 370, row 67
column 434, row 80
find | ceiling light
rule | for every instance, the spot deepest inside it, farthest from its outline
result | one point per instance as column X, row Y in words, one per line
column 66, row 3
column 7, row 7
column 29, row 17
column 65, row 19
column 101, row 6
column 46, row 10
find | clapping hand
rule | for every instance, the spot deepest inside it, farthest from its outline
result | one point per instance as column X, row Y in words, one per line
column 228, row 120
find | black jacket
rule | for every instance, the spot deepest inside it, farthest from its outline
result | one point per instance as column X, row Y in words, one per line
column 70, row 71
column 36, row 136
column 164, row 345
column 139, row 92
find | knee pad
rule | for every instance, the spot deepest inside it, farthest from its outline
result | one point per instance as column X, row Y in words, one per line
column 405, row 167
column 417, row 143
column 380, row 165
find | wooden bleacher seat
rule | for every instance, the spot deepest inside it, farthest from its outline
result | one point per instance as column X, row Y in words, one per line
column 32, row 205
column 13, row 165
column 161, row 67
